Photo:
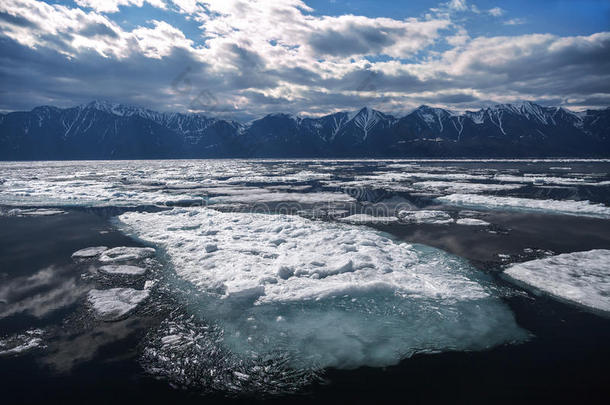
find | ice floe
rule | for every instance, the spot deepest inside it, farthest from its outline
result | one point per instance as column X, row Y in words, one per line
column 124, row 269
column 582, row 278
column 324, row 294
column 425, row 217
column 34, row 212
column 249, row 247
column 125, row 254
column 550, row 180
column 457, row 187
column 367, row 219
column 178, row 183
column 568, row 207
column 115, row 303
column 410, row 176
column 472, row 222
column 89, row 252
column 21, row 343
column 267, row 197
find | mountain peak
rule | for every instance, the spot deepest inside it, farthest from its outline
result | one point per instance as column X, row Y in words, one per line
column 364, row 111
column 537, row 130
column 102, row 105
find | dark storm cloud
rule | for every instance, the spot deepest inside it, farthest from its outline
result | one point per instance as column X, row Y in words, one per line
column 354, row 40
column 43, row 76
column 17, row 20
column 451, row 99
column 92, row 30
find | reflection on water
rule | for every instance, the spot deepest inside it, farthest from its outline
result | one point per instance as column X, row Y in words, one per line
column 41, row 293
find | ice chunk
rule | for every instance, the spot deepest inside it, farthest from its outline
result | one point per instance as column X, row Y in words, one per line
column 367, row 219
column 266, row 197
column 347, row 296
column 568, row 207
column 582, row 278
column 34, row 212
column 124, row 254
column 537, row 179
column 89, row 252
column 425, row 217
column 116, row 303
column 125, row 270
column 457, row 187
column 472, row 222
column 20, row 343
column 246, row 253
column 210, row 247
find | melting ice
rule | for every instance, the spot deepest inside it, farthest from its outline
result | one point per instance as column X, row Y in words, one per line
column 581, row 277
column 568, row 207
column 323, row 294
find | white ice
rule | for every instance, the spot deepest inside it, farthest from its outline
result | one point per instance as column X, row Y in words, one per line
column 472, row 222
column 126, row 270
column 116, row 303
column 251, row 249
column 328, row 294
column 21, row 343
column 568, row 207
column 538, row 179
column 34, row 212
column 367, row 219
column 458, row 187
column 189, row 183
column 124, row 254
column 582, row 278
column 267, row 197
column 425, row 217
column 89, row 252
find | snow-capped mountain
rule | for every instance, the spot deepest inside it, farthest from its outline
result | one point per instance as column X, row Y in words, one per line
column 104, row 130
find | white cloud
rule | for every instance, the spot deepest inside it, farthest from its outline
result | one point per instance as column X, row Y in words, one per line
column 297, row 61
column 515, row 21
column 187, row 6
column 72, row 30
column 496, row 11
column 160, row 40
column 458, row 5
column 112, row 6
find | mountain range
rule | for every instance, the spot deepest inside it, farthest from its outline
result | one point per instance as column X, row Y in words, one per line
column 101, row 130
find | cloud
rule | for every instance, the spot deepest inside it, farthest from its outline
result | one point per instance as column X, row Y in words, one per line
column 112, row 6
column 354, row 36
column 458, row 5
column 496, row 11
column 298, row 61
column 71, row 31
column 515, row 21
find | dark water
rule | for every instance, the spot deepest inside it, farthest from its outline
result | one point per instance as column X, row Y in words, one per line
column 566, row 360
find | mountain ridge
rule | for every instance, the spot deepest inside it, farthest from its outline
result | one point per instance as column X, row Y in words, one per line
column 102, row 130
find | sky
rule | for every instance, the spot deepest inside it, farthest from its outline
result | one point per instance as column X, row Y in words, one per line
column 243, row 59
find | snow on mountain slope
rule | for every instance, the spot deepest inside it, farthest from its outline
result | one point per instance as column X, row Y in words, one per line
column 108, row 130
column 366, row 119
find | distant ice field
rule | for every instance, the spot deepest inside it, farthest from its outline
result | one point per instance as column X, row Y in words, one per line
column 581, row 187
